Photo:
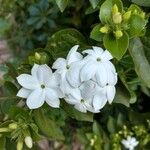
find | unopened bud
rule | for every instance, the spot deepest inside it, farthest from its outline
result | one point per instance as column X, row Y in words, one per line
column 117, row 18
column 37, row 56
column 118, row 34
column 28, row 141
column 92, row 141
column 13, row 126
column 19, row 145
column 127, row 15
column 114, row 9
column 104, row 29
column 4, row 130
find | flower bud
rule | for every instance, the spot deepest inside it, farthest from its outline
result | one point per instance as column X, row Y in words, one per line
column 117, row 18
column 28, row 141
column 37, row 56
column 104, row 29
column 127, row 15
column 118, row 34
column 19, row 145
column 4, row 130
column 114, row 9
column 13, row 126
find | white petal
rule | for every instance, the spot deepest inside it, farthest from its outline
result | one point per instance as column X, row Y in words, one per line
column 44, row 73
column 88, row 89
column 34, row 70
column 36, row 99
column 60, row 63
column 80, row 107
column 98, row 50
column 73, row 74
column 111, row 91
column 24, row 93
column 99, row 101
column 71, row 100
column 101, row 75
column 88, row 51
column 28, row 81
column 52, row 98
column 106, row 56
column 76, row 93
column 88, row 71
column 73, row 55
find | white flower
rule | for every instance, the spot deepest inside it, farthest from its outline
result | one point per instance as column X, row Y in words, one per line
column 88, row 97
column 40, row 86
column 69, row 69
column 98, row 67
column 130, row 143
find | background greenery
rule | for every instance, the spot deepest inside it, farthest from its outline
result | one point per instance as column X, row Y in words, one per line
column 49, row 28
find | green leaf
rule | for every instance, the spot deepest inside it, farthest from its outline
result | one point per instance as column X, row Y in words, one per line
column 75, row 114
column 94, row 3
column 137, row 24
column 60, row 43
column 96, row 34
column 117, row 47
column 105, row 14
column 145, row 3
column 62, row 4
column 2, row 143
column 122, row 97
column 111, row 125
column 142, row 66
column 47, row 126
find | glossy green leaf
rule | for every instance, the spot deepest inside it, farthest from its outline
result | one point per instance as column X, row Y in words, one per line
column 75, row 114
column 47, row 126
column 117, row 47
column 94, row 3
column 145, row 3
column 142, row 66
column 105, row 14
column 96, row 34
column 122, row 97
column 62, row 4
column 137, row 24
column 60, row 43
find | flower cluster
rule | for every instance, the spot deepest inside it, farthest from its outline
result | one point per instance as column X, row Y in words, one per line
column 86, row 82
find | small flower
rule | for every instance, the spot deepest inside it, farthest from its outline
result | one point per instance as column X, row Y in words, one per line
column 127, row 15
column 88, row 97
column 117, row 18
column 28, row 141
column 104, row 29
column 40, row 86
column 118, row 34
column 98, row 67
column 69, row 69
column 130, row 143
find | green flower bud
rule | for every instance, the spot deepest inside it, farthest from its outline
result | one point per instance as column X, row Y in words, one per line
column 114, row 9
column 104, row 29
column 92, row 141
column 4, row 130
column 19, row 145
column 127, row 15
column 28, row 141
column 37, row 56
column 13, row 126
column 117, row 18
column 118, row 34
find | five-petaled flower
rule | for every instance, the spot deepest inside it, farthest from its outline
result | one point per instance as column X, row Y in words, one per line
column 130, row 143
column 40, row 86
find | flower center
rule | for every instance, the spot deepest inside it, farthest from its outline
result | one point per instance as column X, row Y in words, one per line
column 42, row 86
column 98, row 59
column 67, row 67
column 82, row 100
